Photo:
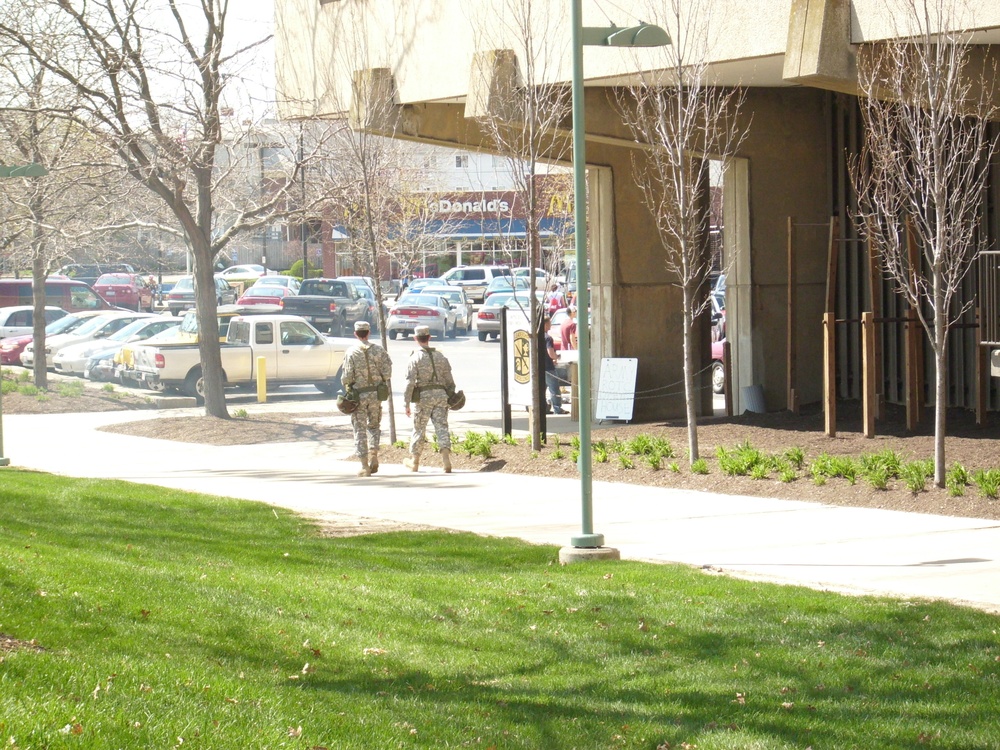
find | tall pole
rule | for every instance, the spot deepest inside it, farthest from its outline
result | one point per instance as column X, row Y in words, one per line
column 587, row 537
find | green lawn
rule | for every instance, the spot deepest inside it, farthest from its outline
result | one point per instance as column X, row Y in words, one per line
column 170, row 619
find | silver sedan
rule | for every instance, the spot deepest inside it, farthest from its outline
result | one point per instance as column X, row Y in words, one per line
column 413, row 310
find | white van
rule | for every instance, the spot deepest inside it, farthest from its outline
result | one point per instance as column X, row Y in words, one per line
column 474, row 279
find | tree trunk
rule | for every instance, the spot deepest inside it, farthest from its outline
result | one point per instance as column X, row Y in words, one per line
column 690, row 392
column 208, row 329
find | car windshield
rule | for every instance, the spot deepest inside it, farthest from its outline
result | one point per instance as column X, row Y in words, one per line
column 94, row 324
column 263, row 291
column 134, row 327
column 115, row 279
column 184, row 284
column 454, row 295
column 64, row 325
column 498, row 300
column 422, row 299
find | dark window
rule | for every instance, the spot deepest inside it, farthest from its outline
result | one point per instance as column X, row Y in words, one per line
column 264, row 334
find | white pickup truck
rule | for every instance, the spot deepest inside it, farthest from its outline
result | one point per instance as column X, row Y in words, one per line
column 294, row 353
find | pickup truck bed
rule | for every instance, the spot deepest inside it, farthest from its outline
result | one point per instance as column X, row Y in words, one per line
column 294, row 353
column 330, row 305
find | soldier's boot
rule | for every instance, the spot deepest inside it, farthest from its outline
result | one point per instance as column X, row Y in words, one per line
column 412, row 463
column 365, row 468
column 446, row 460
column 373, row 462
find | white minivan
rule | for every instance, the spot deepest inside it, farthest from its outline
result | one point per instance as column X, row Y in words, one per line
column 474, row 279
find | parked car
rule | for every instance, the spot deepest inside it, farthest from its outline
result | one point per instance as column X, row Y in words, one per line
column 70, row 295
column 98, row 327
column 128, row 290
column 505, row 284
column 359, row 281
column 73, row 359
column 289, row 282
column 488, row 317
column 423, row 309
column 474, row 279
column 89, row 273
column 719, row 366
column 458, row 299
column 181, row 296
column 12, row 347
column 542, row 277
column 19, row 319
column 248, row 270
column 264, row 295
column 332, row 305
column 416, row 285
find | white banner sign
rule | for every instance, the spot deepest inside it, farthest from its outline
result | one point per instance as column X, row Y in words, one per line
column 518, row 345
column 616, row 394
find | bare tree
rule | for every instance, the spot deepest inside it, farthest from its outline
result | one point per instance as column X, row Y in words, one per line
column 683, row 119
column 926, row 107
column 48, row 214
column 151, row 79
column 524, row 118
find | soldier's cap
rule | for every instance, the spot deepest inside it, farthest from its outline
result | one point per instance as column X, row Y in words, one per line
column 362, row 326
column 422, row 331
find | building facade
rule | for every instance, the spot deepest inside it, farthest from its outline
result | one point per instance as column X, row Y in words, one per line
column 786, row 196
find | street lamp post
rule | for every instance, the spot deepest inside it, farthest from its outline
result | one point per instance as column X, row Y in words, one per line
column 588, row 544
column 24, row 170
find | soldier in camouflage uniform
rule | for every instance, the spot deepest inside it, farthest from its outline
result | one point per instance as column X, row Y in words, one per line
column 428, row 383
column 366, row 366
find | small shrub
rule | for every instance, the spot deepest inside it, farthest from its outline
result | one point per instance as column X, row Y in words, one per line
column 878, row 477
column 956, row 480
column 916, row 473
column 25, row 376
column 557, row 454
column 988, row 483
column 626, row 461
column 71, row 389
column 478, row 444
column 240, row 414
column 574, row 442
column 600, row 453
column 760, row 471
column 844, row 467
column 8, row 386
column 822, row 466
column 399, row 444
column 796, row 456
column 699, row 467
column 888, row 460
column 108, row 387
column 654, row 460
column 787, row 474
column 574, row 456
column 509, row 439
column 534, row 454
column 28, row 389
column 674, row 467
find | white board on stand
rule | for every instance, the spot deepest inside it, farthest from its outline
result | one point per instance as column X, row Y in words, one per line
column 616, row 392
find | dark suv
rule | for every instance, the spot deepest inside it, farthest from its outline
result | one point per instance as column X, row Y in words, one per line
column 89, row 273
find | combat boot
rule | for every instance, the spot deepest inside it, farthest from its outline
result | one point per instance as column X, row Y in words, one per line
column 413, row 463
column 365, row 468
column 373, row 462
column 446, row 460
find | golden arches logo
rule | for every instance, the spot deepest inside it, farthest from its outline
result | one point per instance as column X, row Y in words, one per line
column 522, row 357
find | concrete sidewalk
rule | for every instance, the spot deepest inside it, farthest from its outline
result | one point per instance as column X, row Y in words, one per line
column 828, row 547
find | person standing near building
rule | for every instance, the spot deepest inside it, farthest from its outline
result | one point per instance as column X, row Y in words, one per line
column 568, row 329
column 428, row 383
column 367, row 367
column 555, row 375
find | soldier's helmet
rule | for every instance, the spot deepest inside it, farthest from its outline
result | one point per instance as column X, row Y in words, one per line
column 346, row 405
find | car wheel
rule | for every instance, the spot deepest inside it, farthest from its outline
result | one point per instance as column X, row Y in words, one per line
column 194, row 385
column 718, row 378
column 392, row 335
column 494, row 336
column 454, row 332
column 154, row 384
column 482, row 336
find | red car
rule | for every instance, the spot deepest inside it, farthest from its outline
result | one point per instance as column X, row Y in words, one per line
column 264, row 295
column 128, row 290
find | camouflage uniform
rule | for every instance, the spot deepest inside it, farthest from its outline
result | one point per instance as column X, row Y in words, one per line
column 365, row 366
column 428, row 382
